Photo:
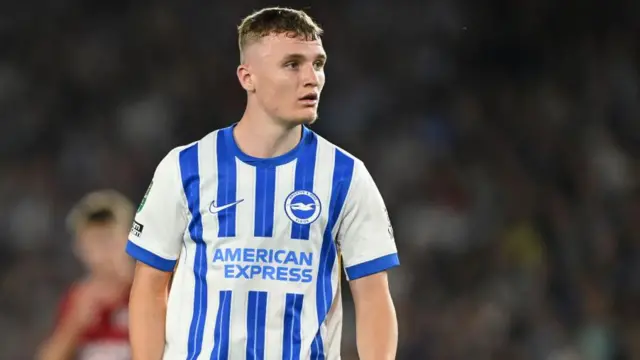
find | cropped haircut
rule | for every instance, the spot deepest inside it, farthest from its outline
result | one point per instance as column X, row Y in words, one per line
column 275, row 21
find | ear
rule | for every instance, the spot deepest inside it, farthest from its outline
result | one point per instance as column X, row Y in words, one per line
column 245, row 78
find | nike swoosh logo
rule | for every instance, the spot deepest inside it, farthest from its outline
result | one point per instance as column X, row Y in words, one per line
column 215, row 209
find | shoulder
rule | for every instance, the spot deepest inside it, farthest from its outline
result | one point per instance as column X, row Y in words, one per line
column 172, row 158
column 342, row 156
column 66, row 300
column 174, row 154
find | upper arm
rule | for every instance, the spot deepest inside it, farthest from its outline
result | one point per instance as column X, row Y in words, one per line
column 149, row 280
column 158, row 229
column 370, row 288
column 365, row 235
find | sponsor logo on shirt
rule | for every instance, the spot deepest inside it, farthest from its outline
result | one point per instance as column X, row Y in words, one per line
column 137, row 228
column 266, row 264
column 216, row 209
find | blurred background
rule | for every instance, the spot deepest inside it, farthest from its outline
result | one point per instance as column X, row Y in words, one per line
column 504, row 136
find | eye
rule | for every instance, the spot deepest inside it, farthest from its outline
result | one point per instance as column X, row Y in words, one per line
column 318, row 65
column 291, row 65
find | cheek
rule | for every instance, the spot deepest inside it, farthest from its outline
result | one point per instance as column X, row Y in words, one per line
column 279, row 93
column 119, row 260
column 95, row 257
column 321, row 79
column 283, row 84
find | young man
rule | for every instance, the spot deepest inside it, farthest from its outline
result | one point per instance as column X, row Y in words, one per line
column 253, row 221
column 92, row 317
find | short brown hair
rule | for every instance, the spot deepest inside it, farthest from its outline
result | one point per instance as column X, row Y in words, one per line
column 101, row 207
column 276, row 20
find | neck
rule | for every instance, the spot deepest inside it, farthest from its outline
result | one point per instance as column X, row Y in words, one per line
column 264, row 138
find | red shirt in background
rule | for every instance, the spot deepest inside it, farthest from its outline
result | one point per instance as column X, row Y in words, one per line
column 108, row 338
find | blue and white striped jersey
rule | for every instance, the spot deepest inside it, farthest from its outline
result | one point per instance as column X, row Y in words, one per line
column 257, row 246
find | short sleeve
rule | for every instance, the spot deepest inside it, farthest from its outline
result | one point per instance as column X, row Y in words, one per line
column 365, row 235
column 161, row 220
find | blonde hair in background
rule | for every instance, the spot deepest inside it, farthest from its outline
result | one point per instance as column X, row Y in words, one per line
column 119, row 205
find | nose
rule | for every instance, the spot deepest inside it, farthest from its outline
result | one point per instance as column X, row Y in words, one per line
column 311, row 76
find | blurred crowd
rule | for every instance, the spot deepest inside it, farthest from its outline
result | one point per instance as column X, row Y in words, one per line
column 504, row 136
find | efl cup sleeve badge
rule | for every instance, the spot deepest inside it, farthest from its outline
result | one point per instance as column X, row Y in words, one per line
column 302, row 207
column 144, row 199
column 136, row 229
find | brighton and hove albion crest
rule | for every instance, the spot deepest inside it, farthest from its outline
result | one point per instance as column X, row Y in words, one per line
column 302, row 207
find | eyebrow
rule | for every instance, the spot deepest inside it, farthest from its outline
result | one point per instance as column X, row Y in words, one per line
column 289, row 57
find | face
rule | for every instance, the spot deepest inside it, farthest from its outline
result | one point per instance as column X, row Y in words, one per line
column 285, row 75
column 101, row 248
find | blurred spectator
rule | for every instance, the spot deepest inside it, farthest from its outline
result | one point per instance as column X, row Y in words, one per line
column 92, row 318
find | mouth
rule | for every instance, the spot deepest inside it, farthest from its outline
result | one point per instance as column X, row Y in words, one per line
column 311, row 99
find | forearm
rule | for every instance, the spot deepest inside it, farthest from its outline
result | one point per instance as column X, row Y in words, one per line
column 377, row 330
column 376, row 321
column 147, row 317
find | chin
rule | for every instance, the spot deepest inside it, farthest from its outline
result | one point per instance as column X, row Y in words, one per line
column 309, row 120
column 302, row 119
column 309, row 116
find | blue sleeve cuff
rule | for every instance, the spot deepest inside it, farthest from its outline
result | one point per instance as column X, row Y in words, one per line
column 372, row 266
column 149, row 258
